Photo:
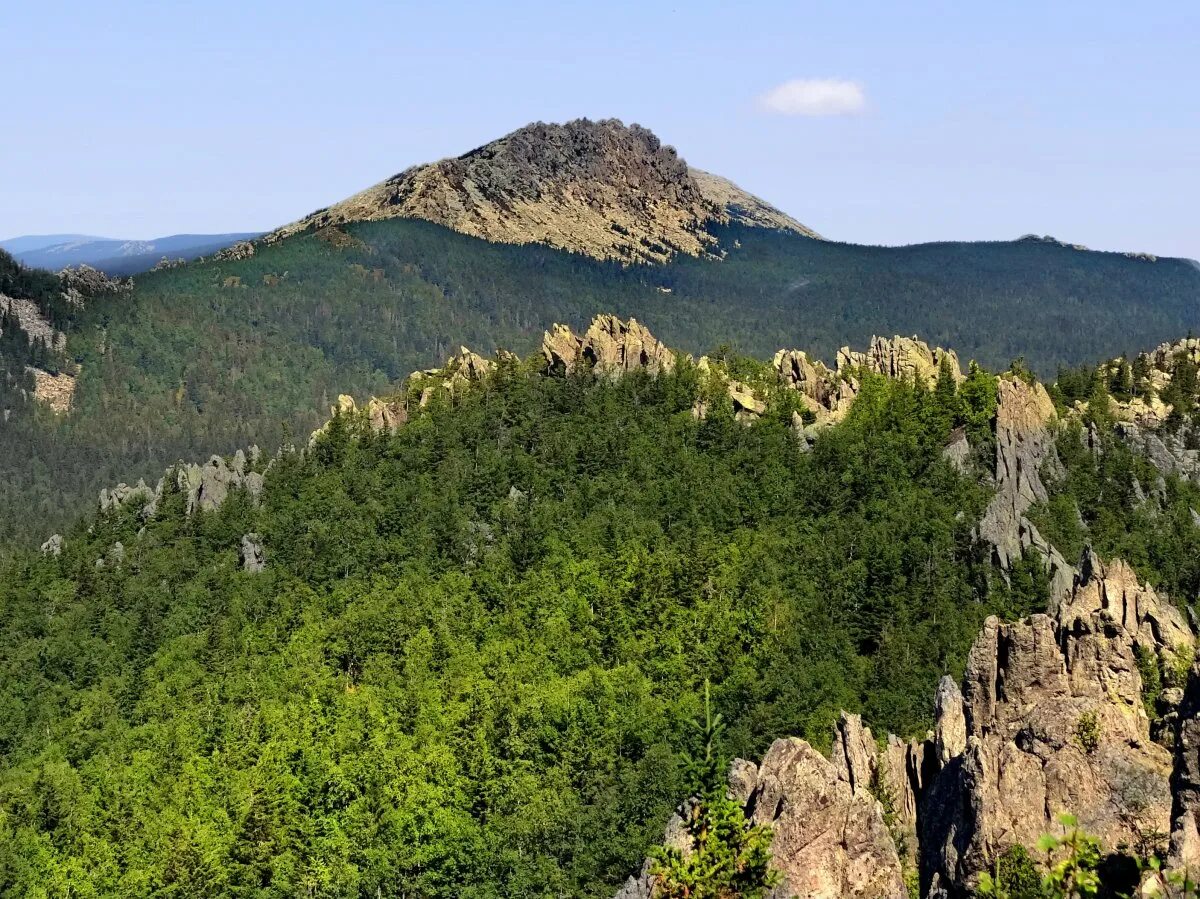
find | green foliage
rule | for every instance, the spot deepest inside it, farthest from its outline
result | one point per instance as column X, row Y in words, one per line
column 1072, row 860
column 1087, row 732
column 1014, row 875
column 445, row 687
column 1073, row 875
column 1152, row 685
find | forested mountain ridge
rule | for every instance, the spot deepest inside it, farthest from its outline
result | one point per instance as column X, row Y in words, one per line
column 451, row 646
column 225, row 353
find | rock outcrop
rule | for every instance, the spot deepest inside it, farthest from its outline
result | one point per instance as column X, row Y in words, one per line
column 1024, row 444
column 602, row 188
column 252, row 554
column 902, row 358
column 82, row 282
column 829, row 838
column 205, row 487
column 1055, row 722
column 610, row 346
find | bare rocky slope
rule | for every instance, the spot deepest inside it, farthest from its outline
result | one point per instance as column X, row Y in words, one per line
column 604, row 189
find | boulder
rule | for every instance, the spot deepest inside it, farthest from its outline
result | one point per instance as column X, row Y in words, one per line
column 251, row 554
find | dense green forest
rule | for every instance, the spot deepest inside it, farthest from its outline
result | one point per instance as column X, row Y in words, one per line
column 467, row 667
column 212, row 356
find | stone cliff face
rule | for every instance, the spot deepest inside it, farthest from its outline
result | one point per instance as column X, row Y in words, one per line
column 602, row 188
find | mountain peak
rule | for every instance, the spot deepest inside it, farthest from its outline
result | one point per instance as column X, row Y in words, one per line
column 601, row 188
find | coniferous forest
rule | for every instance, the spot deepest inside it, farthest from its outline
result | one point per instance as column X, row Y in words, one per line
column 222, row 354
column 469, row 664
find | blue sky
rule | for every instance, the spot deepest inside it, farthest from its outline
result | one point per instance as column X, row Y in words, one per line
column 943, row 120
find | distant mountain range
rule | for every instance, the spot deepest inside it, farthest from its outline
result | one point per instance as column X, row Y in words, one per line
column 112, row 255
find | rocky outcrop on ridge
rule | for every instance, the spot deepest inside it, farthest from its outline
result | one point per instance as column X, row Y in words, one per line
column 610, row 346
column 204, row 487
column 901, row 358
column 599, row 188
column 1024, row 444
column 82, row 281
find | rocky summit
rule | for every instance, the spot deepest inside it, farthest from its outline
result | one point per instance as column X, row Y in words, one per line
column 603, row 189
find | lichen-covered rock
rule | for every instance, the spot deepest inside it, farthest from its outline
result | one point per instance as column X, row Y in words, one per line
column 53, row 545
column 957, row 450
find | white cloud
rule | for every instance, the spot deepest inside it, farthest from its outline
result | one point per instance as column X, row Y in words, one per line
column 814, row 96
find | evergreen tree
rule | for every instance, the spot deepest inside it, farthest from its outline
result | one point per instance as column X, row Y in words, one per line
column 726, row 856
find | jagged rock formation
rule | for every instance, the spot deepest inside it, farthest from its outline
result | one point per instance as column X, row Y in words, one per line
column 901, row 358
column 460, row 370
column 602, row 188
column 1055, row 722
column 829, row 836
column 1024, row 444
column 610, row 346
column 205, row 487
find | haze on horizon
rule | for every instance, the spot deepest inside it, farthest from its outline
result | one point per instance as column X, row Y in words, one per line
column 868, row 122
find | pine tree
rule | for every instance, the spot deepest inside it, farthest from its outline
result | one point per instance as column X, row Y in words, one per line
column 727, row 857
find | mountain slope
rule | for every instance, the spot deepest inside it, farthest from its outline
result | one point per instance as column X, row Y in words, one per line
column 114, row 256
column 212, row 356
column 597, row 188
column 250, row 346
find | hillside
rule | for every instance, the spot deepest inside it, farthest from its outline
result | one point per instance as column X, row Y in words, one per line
column 229, row 352
column 452, row 645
